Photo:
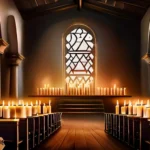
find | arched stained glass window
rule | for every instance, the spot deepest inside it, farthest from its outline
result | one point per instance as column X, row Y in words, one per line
column 80, row 56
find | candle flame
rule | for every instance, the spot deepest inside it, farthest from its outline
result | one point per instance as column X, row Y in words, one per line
column 114, row 86
column 117, row 102
column 49, row 102
column 36, row 102
column 124, row 102
column 141, row 102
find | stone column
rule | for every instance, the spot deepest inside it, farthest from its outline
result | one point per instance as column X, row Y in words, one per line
column 14, row 61
column 3, row 46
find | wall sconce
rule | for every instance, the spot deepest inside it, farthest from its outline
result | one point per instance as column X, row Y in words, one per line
column 3, row 45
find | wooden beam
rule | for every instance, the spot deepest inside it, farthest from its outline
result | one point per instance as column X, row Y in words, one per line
column 45, row 10
column 107, row 10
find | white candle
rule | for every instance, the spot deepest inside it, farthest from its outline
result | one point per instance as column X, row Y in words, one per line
column 49, row 107
column 38, row 107
column 118, row 91
column 6, row 112
column 140, row 110
column 124, row 91
column 34, row 109
column 111, row 91
column 148, row 112
column 135, row 109
column 117, row 107
column 130, row 108
column 114, row 89
column 21, row 111
column 28, row 110
column 121, row 93
column 12, row 110
column 145, row 111
column 123, row 108
column 38, row 91
column 44, row 109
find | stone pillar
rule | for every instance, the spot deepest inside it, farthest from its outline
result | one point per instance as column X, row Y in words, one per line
column 14, row 61
column 3, row 46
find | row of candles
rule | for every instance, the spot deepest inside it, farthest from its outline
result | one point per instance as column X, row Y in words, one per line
column 83, row 89
column 138, row 109
column 22, row 110
column 111, row 91
column 46, row 90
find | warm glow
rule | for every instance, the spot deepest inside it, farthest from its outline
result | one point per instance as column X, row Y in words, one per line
column 3, row 103
column 117, row 102
column 49, row 102
column 124, row 102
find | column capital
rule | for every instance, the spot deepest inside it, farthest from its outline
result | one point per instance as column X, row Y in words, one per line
column 15, row 59
column 3, row 45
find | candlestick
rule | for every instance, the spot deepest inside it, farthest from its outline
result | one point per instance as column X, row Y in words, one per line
column 117, row 107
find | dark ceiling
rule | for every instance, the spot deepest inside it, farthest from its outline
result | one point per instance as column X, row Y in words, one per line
column 128, row 9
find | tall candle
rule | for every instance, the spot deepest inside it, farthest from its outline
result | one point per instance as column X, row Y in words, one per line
column 121, row 93
column 123, row 108
column 135, row 109
column 124, row 91
column 130, row 108
column 49, row 107
column 117, row 108
column 6, row 112
column 34, row 109
column 1, row 110
column 12, row 110
column 38, row 107
column 44, row 109
column 140, row 110
column 114, row 89
column 20, row 111
column 28, row 110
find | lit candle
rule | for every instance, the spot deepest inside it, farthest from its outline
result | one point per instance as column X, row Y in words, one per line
column 44, row 109
column 140, row 109
column 34, row 109
column 6, row 112
column 114, row 89
column 28, row 110
column 49, row 107
column 38, row 107
column 121, row 91
column 124, row 91
column 130, row 108
column 12, row 110
column 38, row 91
column 21, row 111
column 1, row 109
column 123, row 108
column 117, row 108
column 148, row 112
column 135, row 109
column 111, row 91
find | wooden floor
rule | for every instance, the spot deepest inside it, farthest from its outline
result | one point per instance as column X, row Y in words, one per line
column 82, row 132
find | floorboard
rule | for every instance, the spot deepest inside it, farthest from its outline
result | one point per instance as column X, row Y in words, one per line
column 82, row 132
